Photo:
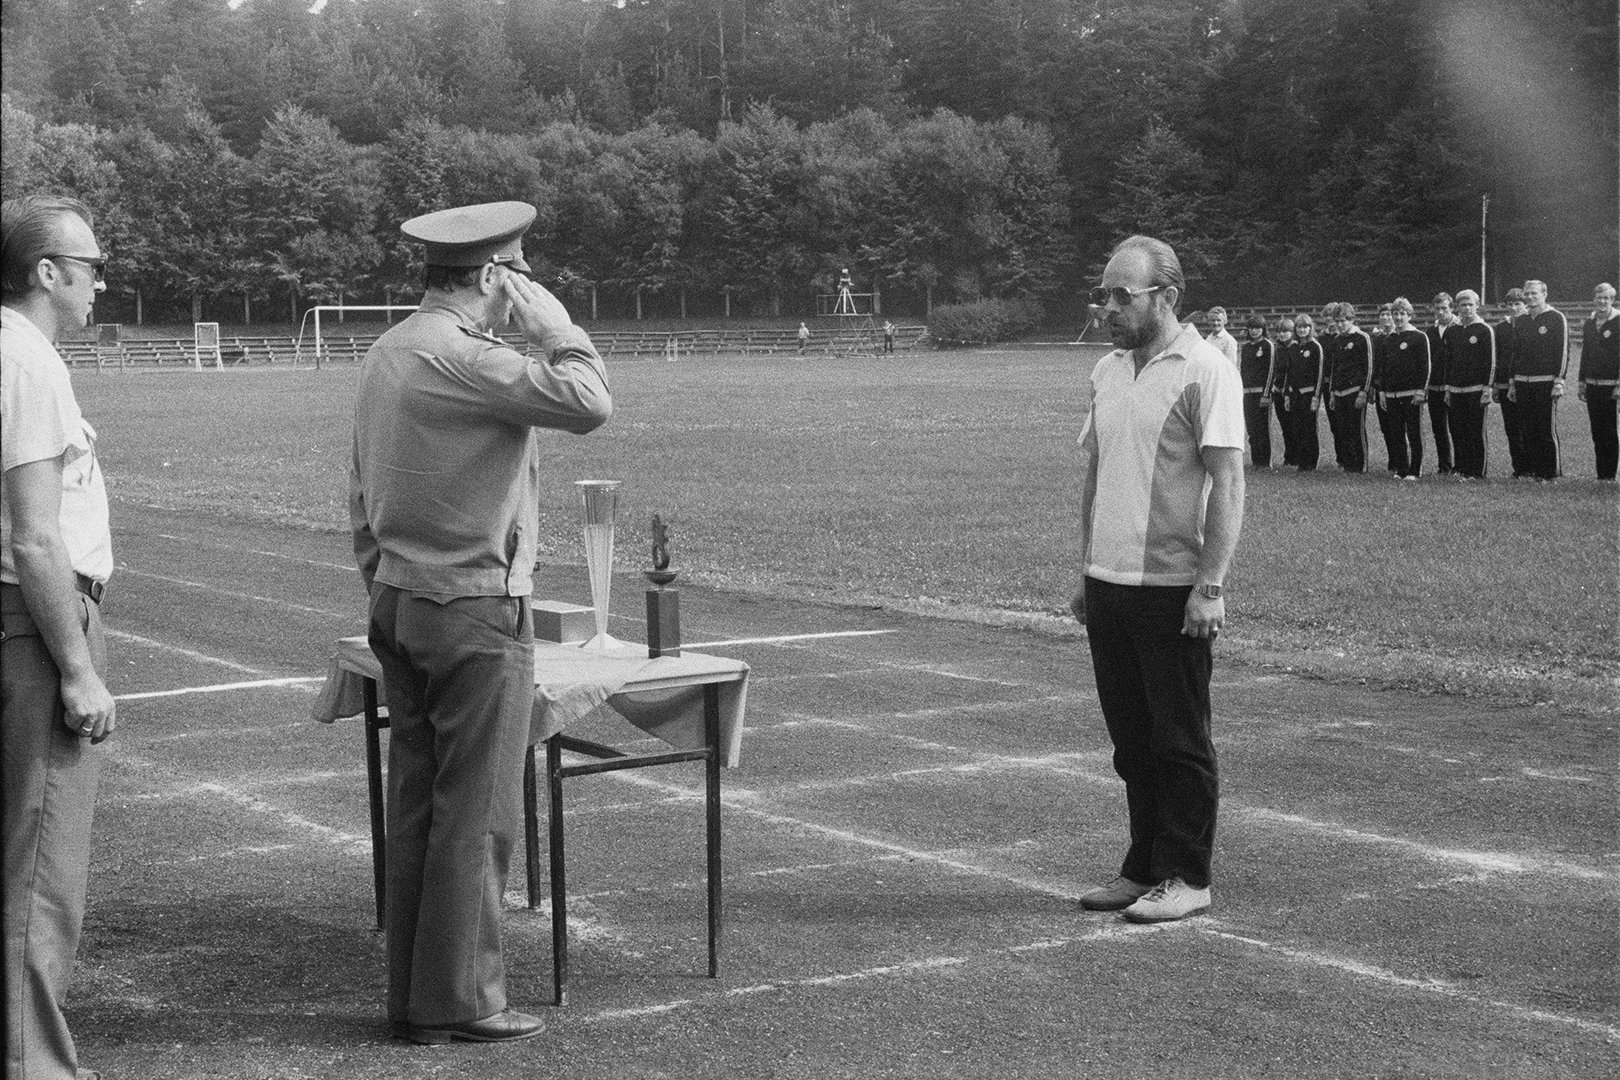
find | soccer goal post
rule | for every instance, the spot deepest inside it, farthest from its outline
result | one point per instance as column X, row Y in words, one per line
column 318, row 309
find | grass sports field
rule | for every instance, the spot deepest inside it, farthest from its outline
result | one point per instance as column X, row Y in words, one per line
column 1417, row 870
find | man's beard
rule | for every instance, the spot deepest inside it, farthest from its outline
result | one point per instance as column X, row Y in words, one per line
column 1125, row 337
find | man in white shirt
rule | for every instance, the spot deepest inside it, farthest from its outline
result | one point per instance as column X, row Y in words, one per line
column 1161, row 505
column 55, row 558
column 1220, row 338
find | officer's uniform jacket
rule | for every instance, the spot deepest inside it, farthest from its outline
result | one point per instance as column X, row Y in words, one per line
column 445, row 479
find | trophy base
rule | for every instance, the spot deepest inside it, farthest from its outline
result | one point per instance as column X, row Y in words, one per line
column 604, row 643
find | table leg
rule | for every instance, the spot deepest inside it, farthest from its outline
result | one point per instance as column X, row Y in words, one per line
column 531, row 827
column 559, row 887
column 379, row 827
column 711, row 768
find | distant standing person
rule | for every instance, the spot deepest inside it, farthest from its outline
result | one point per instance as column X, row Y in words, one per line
column 1304, row 394
column 888, row 336
column 1507, row 351
column 1380, row 339
column 444, row 502
column 55, row 559
column 1283, row 335
column 1349, row 382
column 1470, row 369
column 1220, row 337
column 1540, row 358
column 804, row 337
column 1439, row 407
column 1600, row 378
column 1403, row 384
column 1257, row 364
column 1164, row 433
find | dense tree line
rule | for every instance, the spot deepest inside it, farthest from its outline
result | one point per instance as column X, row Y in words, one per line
column 686, row 154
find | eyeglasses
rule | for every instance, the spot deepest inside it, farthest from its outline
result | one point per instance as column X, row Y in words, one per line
column 1119, row 294
column 97, row 265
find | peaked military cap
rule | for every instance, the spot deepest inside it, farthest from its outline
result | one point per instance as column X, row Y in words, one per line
column 474, row 235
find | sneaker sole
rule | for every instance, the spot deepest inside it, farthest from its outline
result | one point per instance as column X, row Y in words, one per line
column 1165, row 918
column 1108, row 905
column 441, row 1036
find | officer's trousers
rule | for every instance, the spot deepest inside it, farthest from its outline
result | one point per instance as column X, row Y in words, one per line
column 459, row 682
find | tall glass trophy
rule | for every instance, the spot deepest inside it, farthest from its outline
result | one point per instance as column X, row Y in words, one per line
column 599, row 502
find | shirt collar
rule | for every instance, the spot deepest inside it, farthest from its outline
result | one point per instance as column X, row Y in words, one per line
column 16, row 321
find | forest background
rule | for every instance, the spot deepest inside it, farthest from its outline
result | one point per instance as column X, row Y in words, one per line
column 249, row 157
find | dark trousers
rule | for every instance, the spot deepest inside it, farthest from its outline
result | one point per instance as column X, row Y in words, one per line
column 1348, row 422
column 459, row 682
column 1153, row 685
column 1538, row 426
column 1406, row 430
column 1257, row 419
column 1468, row 431
column 1440, row 424
column 50, row 779
column 1387, row 428
column 1289, row 452
column 1513, row 428
column 1307, row 442
column 1601, row 411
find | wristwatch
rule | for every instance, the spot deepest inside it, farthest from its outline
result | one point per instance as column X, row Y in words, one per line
column 1208, row 591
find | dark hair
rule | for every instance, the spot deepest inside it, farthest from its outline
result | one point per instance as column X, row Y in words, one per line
column 1514, row 296
column 1164, row 267
column 451, row 277
column 28, row 232
column 1255, row 321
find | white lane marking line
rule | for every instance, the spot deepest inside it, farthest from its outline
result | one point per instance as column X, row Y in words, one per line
column 220, row 688
column 1499, row 862
column 1537, row 774
column 216, row 590
column 231, row 853
column 786, row 638
column 265, row 554
column 738, row 801
column 182, row 786
column 192, row 654
column 1406, row 982
column 1065, row 764
column 885, row 971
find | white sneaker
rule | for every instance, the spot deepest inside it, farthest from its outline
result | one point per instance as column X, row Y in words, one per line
column 1167, row 901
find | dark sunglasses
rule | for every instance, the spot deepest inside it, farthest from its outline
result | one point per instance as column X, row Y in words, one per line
column 98, row 265
column 1119, row 294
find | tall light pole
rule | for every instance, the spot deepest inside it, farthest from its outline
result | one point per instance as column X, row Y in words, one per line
column 1484, row 210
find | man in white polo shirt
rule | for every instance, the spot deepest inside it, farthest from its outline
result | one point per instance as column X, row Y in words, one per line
column 1161, row 505
column 55, row 557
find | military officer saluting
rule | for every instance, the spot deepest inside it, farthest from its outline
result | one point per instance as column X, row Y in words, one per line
column 444, row 502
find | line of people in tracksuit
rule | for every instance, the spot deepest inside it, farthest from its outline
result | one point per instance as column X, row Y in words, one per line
column 1453, row 370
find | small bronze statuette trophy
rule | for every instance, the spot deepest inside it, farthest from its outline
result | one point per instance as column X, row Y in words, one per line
column 663, row 605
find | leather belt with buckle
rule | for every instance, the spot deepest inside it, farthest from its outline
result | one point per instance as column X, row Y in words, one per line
column 90, row 586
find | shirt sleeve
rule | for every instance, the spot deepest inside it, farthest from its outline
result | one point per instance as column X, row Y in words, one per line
column 39, row 418
column 1220, row 402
